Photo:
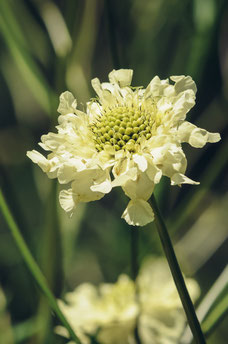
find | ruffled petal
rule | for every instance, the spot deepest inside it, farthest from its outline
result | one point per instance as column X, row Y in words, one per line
column 141, row 188
column 96, row 84
column 121, row 180
column 39, row 159
column 122, row 77
column 104, row 187
column 182, row 104
column 104, row 91
column 67, row 200
column 195, row 136
column 83, row 182
column 184, row 131
column 155, row 87
column 138, row 213
column 170, row 158
column 154, row 173
column 141, row 161
column 51, row 141
column 49, row 166
column 199, row 137
column 183, row 83
column 123, row 171
column 213, row 137
column 67, row 171
column 68, row 103
column 179, row 178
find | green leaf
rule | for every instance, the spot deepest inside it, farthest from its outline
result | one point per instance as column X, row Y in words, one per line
column 33, row 267
column 24, row 61
column 212, row 308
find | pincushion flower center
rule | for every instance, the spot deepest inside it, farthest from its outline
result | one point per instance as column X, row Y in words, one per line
column 122, row 127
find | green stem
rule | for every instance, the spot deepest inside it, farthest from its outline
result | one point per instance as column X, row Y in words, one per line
column 177, row 275
column 134, row 271
column 33, row 267
column 134, row 252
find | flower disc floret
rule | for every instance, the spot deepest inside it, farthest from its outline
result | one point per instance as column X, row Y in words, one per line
column 122, row 127
column 128, row 137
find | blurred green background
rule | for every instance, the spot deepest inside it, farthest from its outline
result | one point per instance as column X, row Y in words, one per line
column 48, row 47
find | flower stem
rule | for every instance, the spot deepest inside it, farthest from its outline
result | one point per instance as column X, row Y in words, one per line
column 33, row 267
column 134, row 271
column 177, row 275
column 134, row 252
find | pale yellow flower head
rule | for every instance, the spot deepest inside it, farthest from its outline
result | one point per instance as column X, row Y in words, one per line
column 103, row 310
column 110, row 311
column 127, row 137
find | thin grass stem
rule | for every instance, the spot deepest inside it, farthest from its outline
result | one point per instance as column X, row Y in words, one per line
column 177, row 275
column 134, row 252
column 33, row 267
column 134, row 272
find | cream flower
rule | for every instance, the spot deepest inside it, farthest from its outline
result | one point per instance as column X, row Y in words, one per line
column 111, row 307
column 128, row 137
column 109, row 311
column 162, row 318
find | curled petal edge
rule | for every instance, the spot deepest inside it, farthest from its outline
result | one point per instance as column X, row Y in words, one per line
column 179, row 178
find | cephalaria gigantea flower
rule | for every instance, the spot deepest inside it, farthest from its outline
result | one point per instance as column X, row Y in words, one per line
column 110, row 311
column 128, row 137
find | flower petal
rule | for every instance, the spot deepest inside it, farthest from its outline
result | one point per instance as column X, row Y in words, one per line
column 184, row 131
column 123, row 171
column 195, row 136
column 66, row 173
column 138, row 213
column 154, row 173
column 183, row 83
column 199, row 137
column 179, row 178
column 182, row 104
column 213, row 137
column 141, row 188
column 39, row 159
column 104, row 91
column 141, row 161
column 67, row 104
column 67, row 200
column 154, row 88
column 121, row 180
column 122, row 77
column 83, row 182
column 104, row 187
column 49, row 166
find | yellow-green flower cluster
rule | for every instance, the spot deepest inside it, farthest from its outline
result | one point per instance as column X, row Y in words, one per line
column 109, row 311
column 127, row 137
column 122, row 128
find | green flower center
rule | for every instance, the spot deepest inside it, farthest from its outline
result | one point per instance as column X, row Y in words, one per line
column 122, row 127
